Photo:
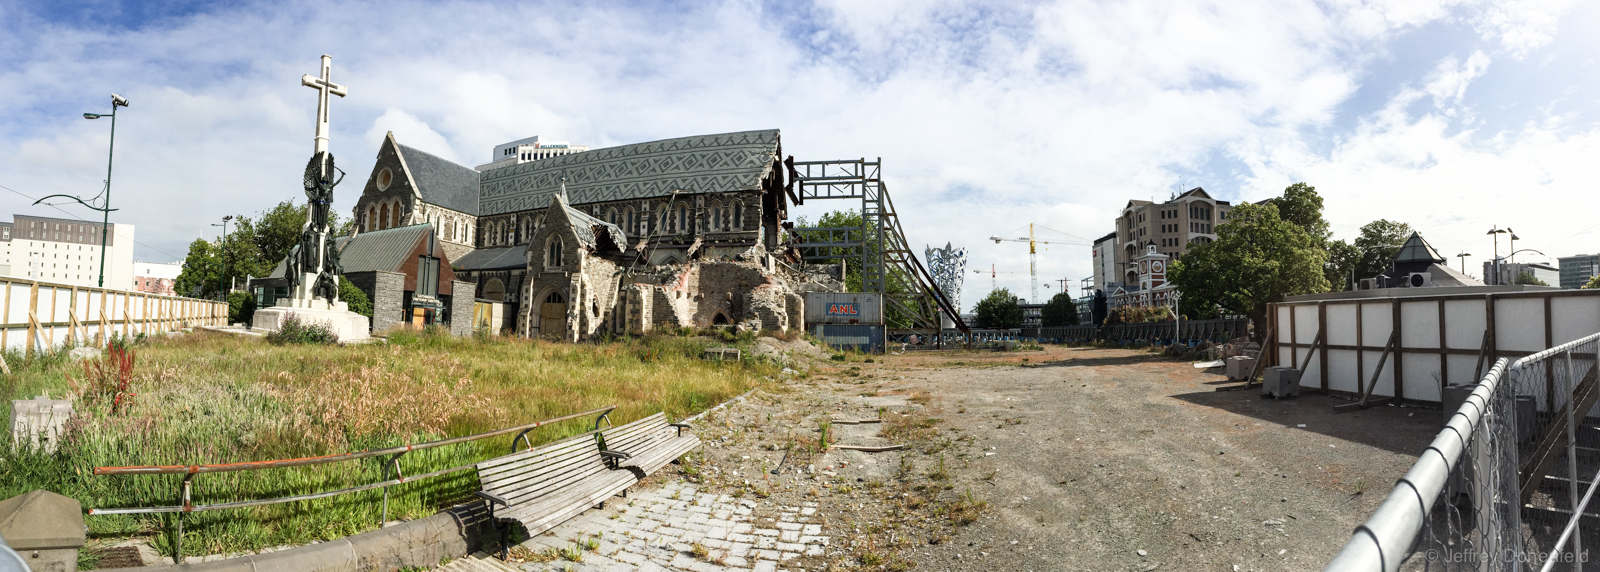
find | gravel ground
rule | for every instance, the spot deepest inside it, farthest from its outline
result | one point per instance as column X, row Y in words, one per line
column 1062, row 459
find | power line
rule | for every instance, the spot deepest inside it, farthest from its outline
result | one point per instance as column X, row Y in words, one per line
column 76, row 217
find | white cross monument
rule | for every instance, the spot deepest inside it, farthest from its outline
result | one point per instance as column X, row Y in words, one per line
column 302, row 301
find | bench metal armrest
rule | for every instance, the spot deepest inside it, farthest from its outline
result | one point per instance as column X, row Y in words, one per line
column 493, row 499
column 619, row 455
column 681, row 427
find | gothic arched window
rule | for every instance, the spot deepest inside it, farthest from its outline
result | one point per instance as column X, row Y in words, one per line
column 552, row 254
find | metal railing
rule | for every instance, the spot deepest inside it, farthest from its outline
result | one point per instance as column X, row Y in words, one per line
column 391, row 467
column 1503, row 486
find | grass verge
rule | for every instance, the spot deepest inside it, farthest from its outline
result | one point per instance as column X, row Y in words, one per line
column 213, row 398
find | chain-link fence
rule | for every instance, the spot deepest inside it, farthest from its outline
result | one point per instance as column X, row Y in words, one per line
column 1496, row 488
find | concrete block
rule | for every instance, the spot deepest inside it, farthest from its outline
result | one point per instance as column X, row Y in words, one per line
column 40, row 421
column 45, row 528
column 1281, row 381
column 1240, row 367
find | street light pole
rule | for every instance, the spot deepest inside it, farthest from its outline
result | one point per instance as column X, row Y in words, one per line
column 111, row 151
column 222, row 281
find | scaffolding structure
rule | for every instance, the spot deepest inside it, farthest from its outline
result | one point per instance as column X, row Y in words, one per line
column 912, row 304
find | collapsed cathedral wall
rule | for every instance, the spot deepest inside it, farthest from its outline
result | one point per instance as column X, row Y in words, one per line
column 598, row 283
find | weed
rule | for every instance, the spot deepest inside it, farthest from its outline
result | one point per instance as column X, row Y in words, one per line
column 940, row 474
column 699, row 551
column 294, row 330
column 572, row 552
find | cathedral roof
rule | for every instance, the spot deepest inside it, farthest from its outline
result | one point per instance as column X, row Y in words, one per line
column 705, row 163
column 493, row 258
column 590, row 229
column 441, row 182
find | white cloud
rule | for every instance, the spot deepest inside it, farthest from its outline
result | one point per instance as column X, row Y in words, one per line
column 986, row 116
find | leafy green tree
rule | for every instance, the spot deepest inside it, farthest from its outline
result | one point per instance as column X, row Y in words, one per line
column 1343, row 258
column 1061, row 310
column 1378, row 243
column 1302, row 206
column 358, row 301
column 1193, row 309
column 241, row 307
column 1593, row 283
column 202, row 269
column 836, row 254
column 1528, row 279
column 1258, row 258
column 998, row 310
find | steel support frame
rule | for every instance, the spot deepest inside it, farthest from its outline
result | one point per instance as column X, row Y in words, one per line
column 882, row 250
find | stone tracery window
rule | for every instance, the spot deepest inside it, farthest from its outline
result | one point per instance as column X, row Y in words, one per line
column 683, row 218
column 552, row 256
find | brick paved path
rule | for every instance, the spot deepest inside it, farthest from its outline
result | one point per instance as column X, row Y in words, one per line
column 660, row 530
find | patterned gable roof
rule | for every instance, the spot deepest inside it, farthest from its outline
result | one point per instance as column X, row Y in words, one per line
column 706, row 163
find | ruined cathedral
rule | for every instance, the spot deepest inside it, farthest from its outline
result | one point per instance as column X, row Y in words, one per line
column 682, row 232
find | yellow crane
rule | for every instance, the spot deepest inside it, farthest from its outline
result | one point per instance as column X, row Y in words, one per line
column 1033, row 252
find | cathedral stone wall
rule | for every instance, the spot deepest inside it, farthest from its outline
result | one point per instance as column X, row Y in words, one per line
column 386, row 290
column 461, row 308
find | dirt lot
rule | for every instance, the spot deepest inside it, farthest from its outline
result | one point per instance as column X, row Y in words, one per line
column 1062, row 459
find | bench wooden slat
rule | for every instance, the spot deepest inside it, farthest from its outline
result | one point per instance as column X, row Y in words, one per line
column 553, row 447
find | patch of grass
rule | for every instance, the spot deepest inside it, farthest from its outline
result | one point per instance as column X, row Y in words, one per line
column 207, row 398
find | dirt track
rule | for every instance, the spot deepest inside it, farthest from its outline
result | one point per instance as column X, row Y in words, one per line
column 1089, row 459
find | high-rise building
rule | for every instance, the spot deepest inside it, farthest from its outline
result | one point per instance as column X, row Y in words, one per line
column 1506, row 273
column 1105, row 262
column 66, row 251
column 1189, row 218
column 1578, row 270
column 530, row 149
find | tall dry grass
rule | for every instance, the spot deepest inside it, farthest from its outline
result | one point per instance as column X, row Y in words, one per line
column 212, row 398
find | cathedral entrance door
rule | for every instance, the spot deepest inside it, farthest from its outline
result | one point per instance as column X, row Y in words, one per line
column 553, row 315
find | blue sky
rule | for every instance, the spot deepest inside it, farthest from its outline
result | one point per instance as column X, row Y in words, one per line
column 1453, row 116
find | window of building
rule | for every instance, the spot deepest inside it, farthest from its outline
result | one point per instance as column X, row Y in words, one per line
column 552, row 257
column 683, row 218
column 427, row 276
column 738, row 218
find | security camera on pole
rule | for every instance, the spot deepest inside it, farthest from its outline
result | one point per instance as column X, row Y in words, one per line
column 312, row 269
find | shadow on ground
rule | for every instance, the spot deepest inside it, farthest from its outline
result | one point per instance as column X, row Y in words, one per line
column 1405, row 430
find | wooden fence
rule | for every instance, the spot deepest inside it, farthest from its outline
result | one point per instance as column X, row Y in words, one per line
column 44, row 315
column 1409, row 343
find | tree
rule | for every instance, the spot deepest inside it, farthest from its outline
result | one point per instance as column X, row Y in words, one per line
column 1258, row 258
column 1593, row 283
column 1343, row 258
column 836, row 254
column 1378, row 243
column 1061, row 310
column 1528, row 279
column 202, row 269
column 998, row 310
column 1302, row 206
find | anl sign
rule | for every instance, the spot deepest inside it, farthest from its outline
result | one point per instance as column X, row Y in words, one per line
column 843, row 309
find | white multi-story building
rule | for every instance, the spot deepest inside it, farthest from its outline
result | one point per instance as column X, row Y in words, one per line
column 1105, row 263
column 65, row 251
column 530, row 149
column 156, row 277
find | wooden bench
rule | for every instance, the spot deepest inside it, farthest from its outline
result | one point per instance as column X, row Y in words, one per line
column 648, row 444
column 544, row 486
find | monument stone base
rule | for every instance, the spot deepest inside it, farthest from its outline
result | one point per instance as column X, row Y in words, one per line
column 350, row 326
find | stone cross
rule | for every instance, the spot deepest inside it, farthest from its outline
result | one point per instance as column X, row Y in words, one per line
column 325, row 86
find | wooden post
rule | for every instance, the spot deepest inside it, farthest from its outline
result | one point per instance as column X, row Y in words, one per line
column 1444, row 354
column 1294, row 338
column 33, row 322
column 1322, row 318
column 103, row 323
column 1361, row 348
column 51, row 331
column 1399, row 352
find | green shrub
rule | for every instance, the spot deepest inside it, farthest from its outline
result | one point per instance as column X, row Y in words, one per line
column 295, row 331
column 241, row 307
column 358, row 300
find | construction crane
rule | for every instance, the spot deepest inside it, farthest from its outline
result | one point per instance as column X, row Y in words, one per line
column 1033, row 253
